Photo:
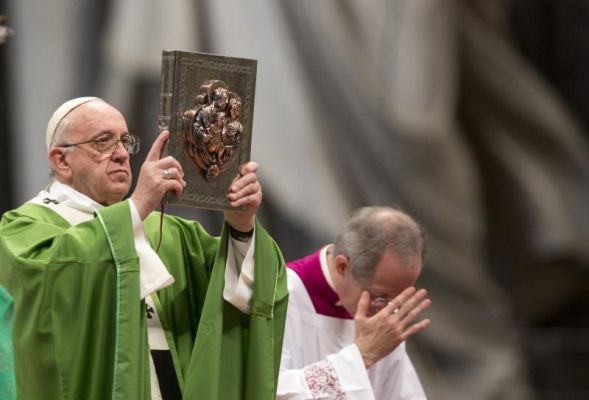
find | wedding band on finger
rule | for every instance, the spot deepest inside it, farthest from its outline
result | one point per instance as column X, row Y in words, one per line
column 167, row 174
column 395, row 310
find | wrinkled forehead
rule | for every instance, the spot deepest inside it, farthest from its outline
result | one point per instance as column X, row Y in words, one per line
column 95, row 118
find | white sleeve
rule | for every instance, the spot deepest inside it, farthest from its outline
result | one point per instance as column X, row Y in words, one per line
column 401, row 380
column 341, row 375
column 153, row 274
column 239, row 273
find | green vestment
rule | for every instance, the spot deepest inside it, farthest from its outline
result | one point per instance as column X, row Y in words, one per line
column 79, row 328
column 7, row 385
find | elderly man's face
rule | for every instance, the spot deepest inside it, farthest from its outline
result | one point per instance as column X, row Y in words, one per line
column 106, row 178
column 390, row 278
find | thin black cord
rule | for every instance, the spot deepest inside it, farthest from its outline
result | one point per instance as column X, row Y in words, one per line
column 161, row 226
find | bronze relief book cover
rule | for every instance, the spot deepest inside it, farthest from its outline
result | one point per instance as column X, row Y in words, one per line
column 207, row 104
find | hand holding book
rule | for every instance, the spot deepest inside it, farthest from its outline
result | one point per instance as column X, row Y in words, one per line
column 245, row 191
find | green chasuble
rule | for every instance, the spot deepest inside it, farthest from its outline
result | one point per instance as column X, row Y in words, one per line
column 79, row 327
column 7, row 386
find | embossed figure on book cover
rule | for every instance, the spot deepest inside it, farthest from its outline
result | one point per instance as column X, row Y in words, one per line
column 207, row 104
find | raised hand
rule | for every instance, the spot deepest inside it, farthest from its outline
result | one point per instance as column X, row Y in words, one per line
column 157, row 176
column 380, row 334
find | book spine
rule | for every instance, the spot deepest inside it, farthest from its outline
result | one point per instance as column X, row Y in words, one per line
column 166, row 103
column 166, row 91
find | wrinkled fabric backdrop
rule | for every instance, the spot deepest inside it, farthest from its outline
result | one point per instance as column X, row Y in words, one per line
column 470, row 115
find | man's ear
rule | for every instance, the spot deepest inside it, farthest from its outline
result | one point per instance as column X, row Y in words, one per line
column 58, row 161
column 341, row 264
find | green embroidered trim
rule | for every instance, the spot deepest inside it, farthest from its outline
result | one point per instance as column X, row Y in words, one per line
column 118, row 302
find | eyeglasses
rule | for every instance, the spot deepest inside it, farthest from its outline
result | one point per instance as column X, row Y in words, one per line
column 107, row 144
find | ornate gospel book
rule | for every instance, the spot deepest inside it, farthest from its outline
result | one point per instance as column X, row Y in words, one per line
column 207, row 104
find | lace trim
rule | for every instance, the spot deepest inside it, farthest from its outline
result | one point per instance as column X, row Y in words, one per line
column 322, row 380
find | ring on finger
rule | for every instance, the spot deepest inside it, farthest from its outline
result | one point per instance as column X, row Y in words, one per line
column 167, row 174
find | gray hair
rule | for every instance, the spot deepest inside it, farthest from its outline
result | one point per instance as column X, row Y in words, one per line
column 61, row 136
column 372, row 231
column 62, row 132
